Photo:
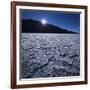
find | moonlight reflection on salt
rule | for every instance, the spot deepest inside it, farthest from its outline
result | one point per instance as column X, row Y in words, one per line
column 49, row 55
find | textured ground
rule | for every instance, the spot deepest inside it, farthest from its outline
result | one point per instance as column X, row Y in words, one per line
column 49, row 55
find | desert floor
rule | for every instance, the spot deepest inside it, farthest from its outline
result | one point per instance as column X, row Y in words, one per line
column 49, row 55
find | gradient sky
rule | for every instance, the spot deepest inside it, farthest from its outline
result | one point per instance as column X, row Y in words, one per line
column 64, row 20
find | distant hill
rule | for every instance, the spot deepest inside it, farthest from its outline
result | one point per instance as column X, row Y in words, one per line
column 32, row 26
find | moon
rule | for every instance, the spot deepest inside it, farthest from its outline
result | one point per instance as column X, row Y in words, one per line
column 43, row 21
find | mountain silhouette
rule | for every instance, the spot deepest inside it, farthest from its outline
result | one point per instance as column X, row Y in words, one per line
column 33, row 26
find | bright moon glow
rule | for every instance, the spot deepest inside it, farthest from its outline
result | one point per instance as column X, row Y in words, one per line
column 43, row 21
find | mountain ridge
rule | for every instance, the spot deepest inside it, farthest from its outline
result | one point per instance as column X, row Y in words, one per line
column 33, row 26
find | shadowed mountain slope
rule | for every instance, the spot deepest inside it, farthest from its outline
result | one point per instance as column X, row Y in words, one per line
column 32, row 26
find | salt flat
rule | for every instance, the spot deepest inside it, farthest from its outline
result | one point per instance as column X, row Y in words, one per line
column 49, row 55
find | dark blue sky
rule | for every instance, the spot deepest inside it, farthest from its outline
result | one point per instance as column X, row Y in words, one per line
column 61, row 19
